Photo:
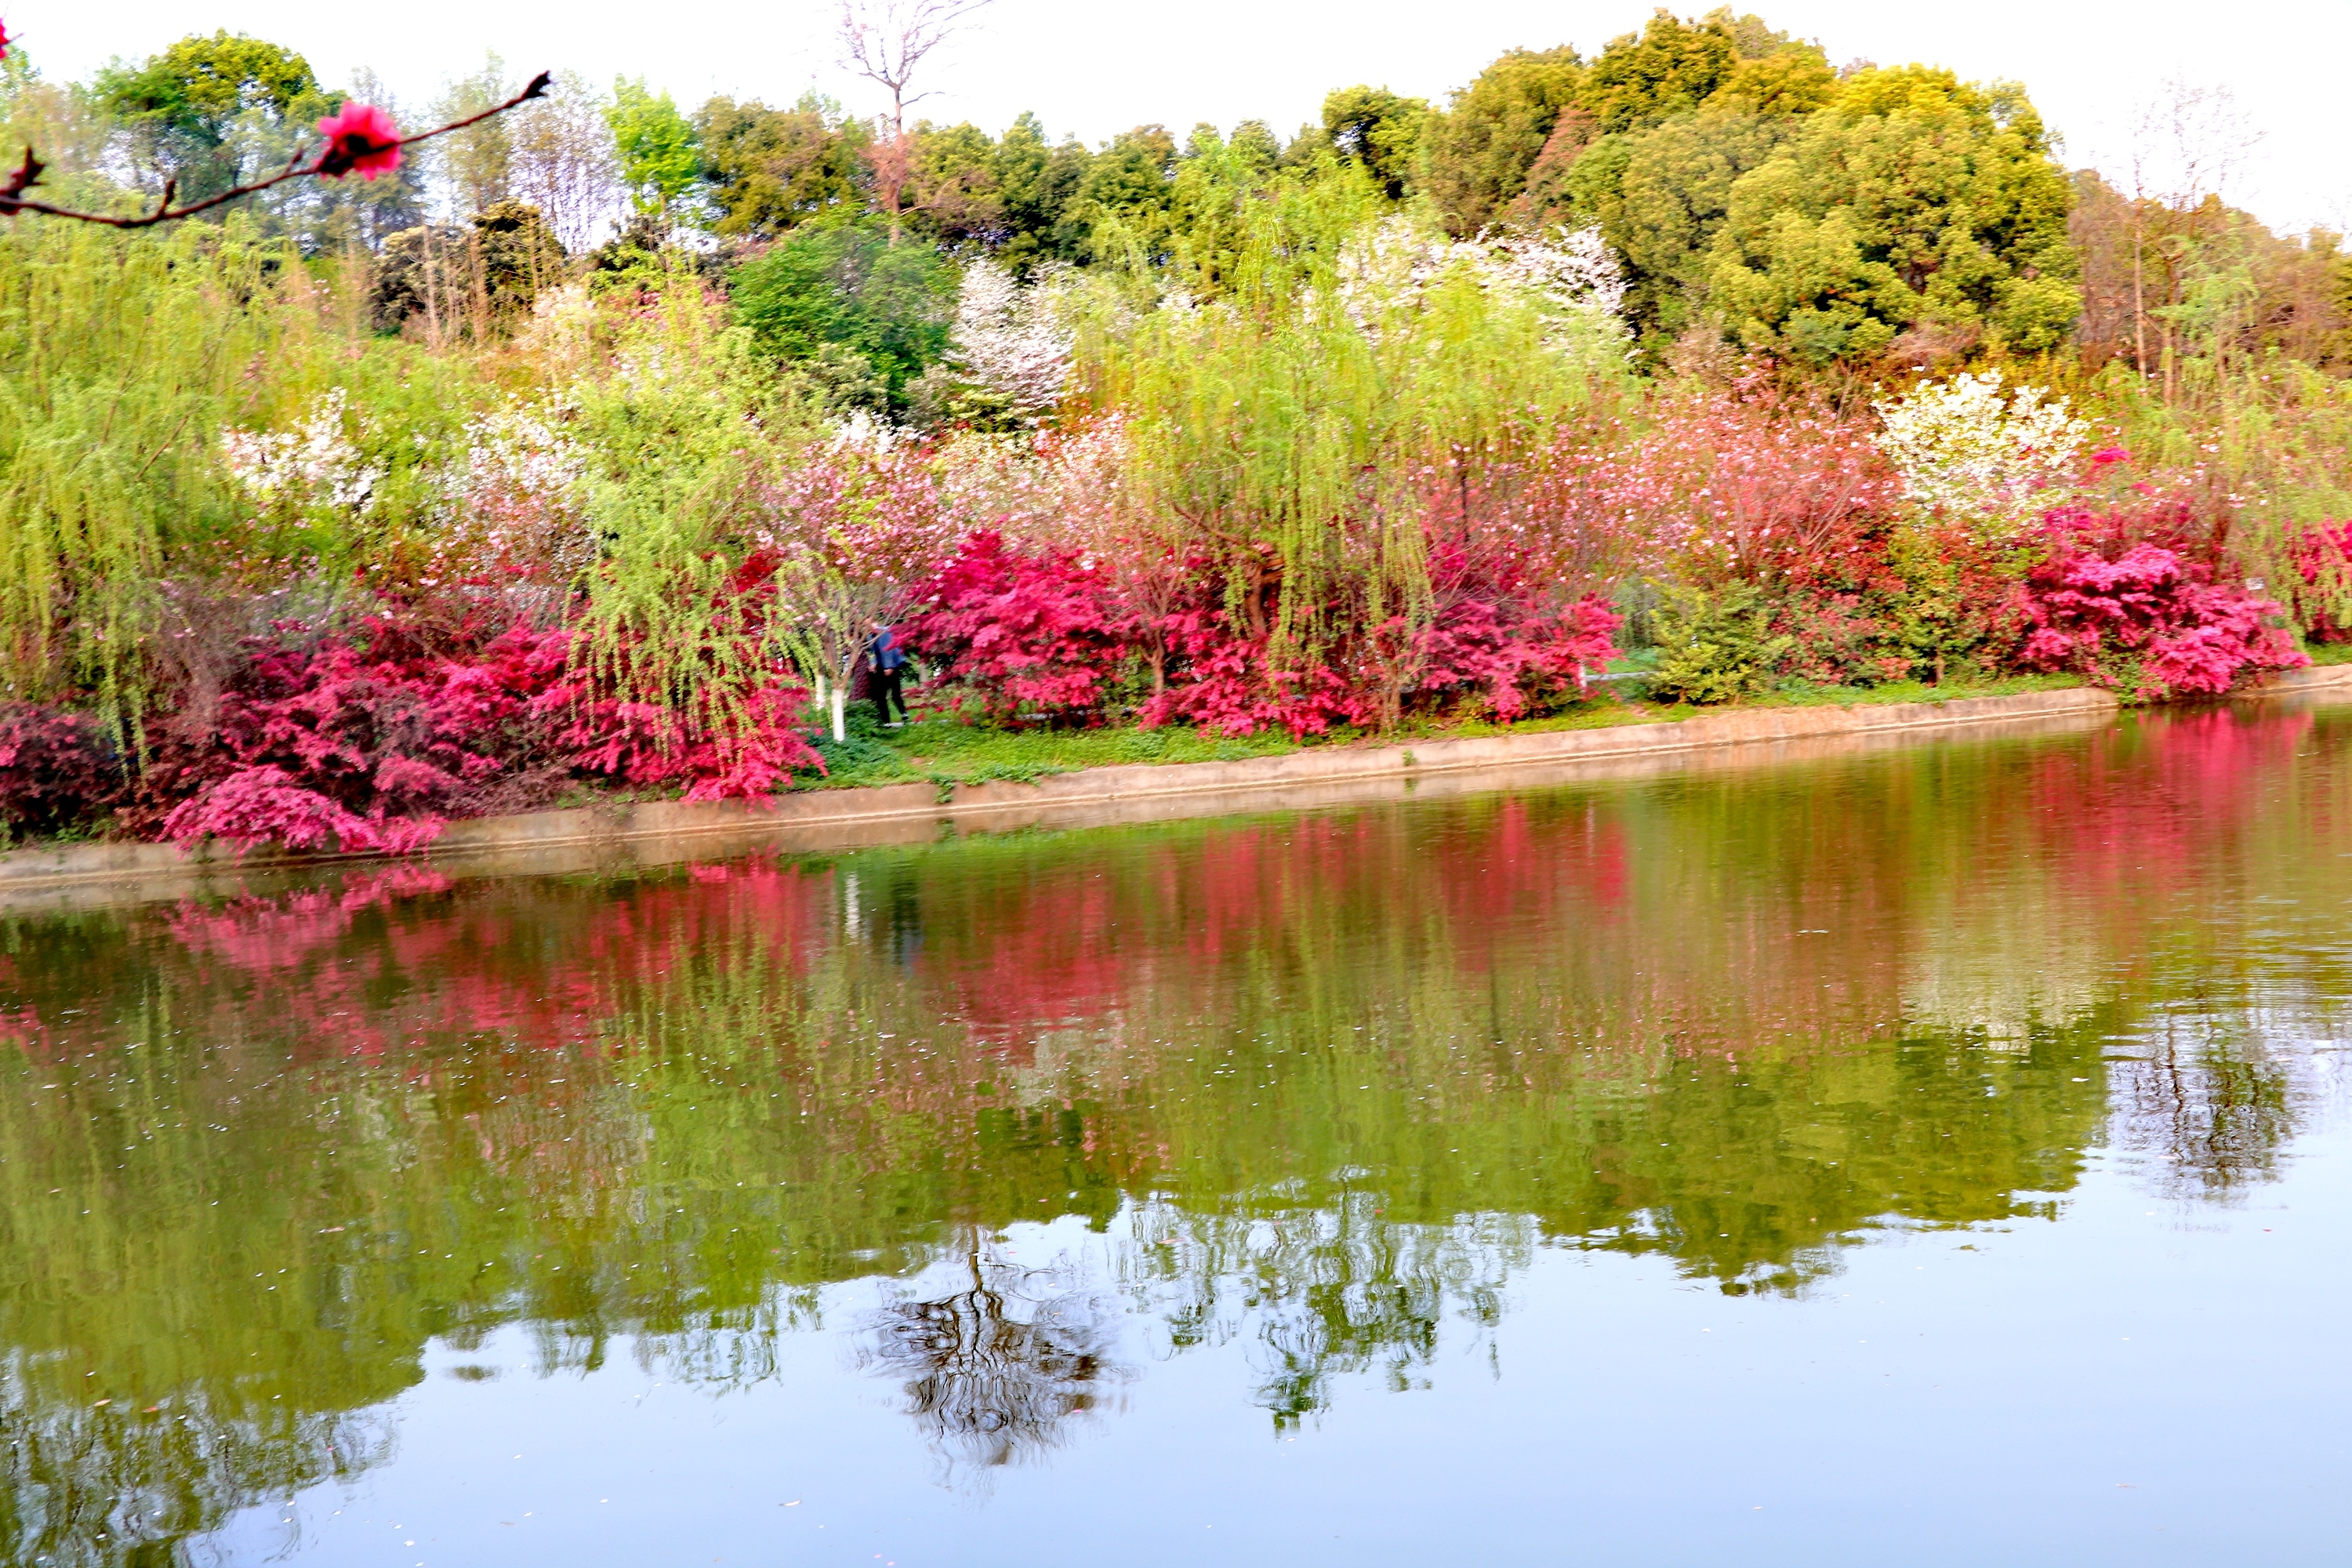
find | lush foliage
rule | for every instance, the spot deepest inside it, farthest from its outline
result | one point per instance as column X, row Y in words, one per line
column 355, row 511
column 2111, row 602
column 1025, row 631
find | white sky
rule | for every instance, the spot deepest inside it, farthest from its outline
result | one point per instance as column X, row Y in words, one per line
column 1095, row 68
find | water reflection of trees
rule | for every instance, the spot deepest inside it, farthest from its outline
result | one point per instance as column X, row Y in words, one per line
column 83, row 1484
column 2214, row 1106
column 1343, row 1073
column 998, row 1370
column 1320, row 1293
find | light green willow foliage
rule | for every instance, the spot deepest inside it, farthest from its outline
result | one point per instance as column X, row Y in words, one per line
column 118, row 358
column 688, row 428
column 2264, row 440
column 1292, row 427
column 123, row 358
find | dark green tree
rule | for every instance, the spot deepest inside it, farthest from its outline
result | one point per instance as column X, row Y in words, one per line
column 1476, row 156
column 1126, row 190
column 770, row 169
column 1035, row 183
column 834, row 290
column 1380, row 129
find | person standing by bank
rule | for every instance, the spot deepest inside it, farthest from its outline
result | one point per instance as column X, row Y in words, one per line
column 886, row 663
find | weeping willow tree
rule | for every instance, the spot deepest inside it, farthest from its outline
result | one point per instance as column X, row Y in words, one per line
column 690, row 431
column 1290, row 427
column 123, row 360
column 119, row 356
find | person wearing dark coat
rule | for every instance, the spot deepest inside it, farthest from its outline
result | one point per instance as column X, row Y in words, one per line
column 886, row 665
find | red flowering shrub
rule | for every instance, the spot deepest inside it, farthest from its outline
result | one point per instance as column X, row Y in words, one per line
column 266, row 805
column 58, row 769
column 645, row 744
column 1220, row 680
column 1512, row 654
column 2144, row 615
column 372, row 741
column 2323, row 558
column 1019, row 629
column 365, row 742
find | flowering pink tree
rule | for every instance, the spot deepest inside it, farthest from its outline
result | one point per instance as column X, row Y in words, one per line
column 850, row 530
column 1759, row 487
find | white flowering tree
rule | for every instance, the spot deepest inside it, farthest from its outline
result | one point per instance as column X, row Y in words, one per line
column 520, row 495
column 315, row 464
column 1569, row 276
column 1968, row 450
column 1009, row 353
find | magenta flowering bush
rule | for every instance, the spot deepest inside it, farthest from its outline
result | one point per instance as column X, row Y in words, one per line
column 372, row 740
column 1018, row 630
column 2144, row 616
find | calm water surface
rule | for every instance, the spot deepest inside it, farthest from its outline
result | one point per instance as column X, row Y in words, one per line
column 1934, row 1157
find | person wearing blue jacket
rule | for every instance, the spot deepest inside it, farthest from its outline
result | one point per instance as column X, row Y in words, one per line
column 886, row 664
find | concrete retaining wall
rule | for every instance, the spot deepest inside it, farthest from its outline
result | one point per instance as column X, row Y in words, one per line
column 618, row 837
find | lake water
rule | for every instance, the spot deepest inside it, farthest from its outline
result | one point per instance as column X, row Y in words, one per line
column 1936, row 1157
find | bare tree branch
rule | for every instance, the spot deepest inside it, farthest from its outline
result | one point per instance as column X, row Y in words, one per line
column 885, row 41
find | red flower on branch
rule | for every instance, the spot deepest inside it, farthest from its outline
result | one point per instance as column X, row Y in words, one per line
column 361, row 139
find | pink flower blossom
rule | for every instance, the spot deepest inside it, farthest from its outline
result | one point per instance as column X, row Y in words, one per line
column 360, row 137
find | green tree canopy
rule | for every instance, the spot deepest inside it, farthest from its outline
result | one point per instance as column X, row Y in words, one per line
column 769, row 169
column 1035, row 183
column 182, row 105
column 839, row 295
column 1914, row 201
column 661, row 156
column 1475, row 156
column 1379, row 129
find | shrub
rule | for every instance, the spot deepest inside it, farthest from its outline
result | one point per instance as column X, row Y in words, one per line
column 366, row 741
column 1486, row 639
column 1716, row 646
column 1759, row 487
column 1018, row 629
column 2144, row 616
column 1225, row 681
column 2323, row 558
column 371, row 741
column 1972, row 453
column 57, row 770
column 644, row 744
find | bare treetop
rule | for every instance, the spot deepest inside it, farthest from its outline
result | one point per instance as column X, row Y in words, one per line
column 2189, row 143
column 885, row 41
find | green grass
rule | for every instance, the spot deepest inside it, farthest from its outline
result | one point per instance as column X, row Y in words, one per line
column 946, row 752
column 1805, row 694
